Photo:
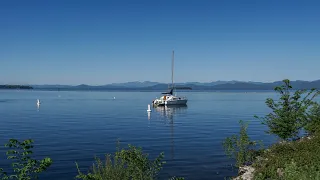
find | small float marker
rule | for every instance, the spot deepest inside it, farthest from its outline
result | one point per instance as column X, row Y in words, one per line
column 114, row 97
column 149, row 110
column 38, row 102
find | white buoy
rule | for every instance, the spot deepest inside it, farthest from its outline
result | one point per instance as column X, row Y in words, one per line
column 38, row 104
column 149, row 110
column 114, row 97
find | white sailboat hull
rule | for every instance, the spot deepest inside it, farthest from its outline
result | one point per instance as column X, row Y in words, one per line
column 177, row 102
column 170, row 100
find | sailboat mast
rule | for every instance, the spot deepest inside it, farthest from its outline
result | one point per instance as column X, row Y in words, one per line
column 172, row 67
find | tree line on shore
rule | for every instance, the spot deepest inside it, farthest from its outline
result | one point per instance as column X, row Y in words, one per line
column 15, row 87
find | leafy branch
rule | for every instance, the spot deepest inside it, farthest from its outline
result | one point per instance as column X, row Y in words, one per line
column 24, row 167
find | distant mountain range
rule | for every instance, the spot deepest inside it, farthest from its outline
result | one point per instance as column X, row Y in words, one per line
column 217, row 85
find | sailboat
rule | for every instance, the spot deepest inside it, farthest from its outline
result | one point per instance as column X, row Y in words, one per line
column 168, row 98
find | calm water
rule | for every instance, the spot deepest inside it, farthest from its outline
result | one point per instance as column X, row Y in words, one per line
column 74, row 127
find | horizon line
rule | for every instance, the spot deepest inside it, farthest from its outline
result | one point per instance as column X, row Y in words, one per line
column 53, row 84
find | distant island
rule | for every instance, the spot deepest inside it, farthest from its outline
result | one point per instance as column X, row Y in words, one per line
column 210, row 86
column 15, row 87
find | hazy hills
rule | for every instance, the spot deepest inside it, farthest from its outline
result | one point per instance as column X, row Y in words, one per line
column 217, row 85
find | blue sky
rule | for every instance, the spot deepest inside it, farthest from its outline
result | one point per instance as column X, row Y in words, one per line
column 101, row 42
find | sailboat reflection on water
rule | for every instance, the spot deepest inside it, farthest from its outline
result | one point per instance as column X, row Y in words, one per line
column 169, row 112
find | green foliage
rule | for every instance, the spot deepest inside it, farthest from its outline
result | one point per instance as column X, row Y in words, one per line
column 110, row 170
column 289, row 113
column 241, row 147
column 24, row 167
column 125, row 164
column 290, row 160
column 313, row 123
column 293, row 172
column 129, row 163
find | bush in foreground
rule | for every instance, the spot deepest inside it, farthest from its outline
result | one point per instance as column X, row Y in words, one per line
column 296, row 159
column 129, row 163
column 290, row 112
column 241, row 147
column 313, row 123
column 24, row 167
column 125, row 164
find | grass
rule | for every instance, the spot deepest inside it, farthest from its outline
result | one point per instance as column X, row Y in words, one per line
column 290, row 160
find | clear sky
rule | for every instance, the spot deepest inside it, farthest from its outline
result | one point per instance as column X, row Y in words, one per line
column 101, row 42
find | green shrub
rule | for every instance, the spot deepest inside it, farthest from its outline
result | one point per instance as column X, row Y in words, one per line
column 289, row 113
column 293, row 159
column 313, row 124
column 293, row 172
column 241, row 147
column 126, row 164
column 24, row 167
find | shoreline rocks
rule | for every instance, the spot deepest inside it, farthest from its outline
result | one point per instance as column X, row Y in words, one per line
column 245, row 173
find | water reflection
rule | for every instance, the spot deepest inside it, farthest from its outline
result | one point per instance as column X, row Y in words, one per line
column 149, row 115
column 38, row 104
column 38, row 107
column 169, row 112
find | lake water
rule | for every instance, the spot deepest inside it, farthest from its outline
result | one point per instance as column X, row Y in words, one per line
column 73, row 126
